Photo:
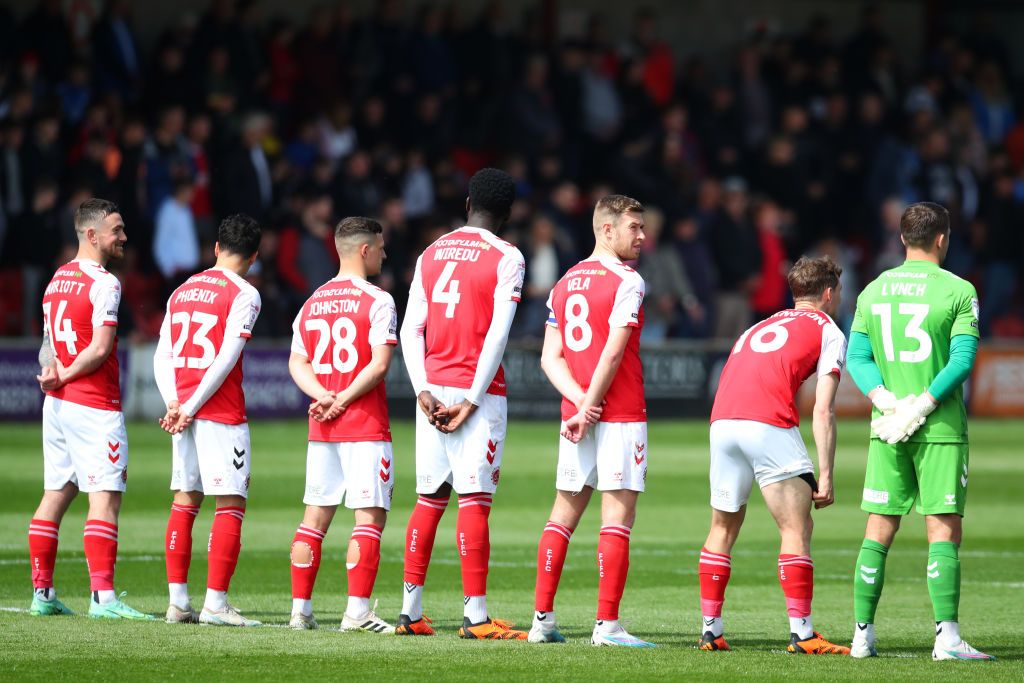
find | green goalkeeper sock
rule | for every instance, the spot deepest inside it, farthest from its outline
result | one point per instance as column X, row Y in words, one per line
column 944, row 580
column 868, row 580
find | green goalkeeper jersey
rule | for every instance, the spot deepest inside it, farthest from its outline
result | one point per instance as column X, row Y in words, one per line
column 910, row 314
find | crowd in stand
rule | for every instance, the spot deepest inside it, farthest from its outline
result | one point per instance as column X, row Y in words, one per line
column 805, row 140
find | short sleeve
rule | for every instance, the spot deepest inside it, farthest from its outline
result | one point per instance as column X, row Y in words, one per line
column 628, row 299
column 858, row 321
column 298, row 345
column 833, row 351
column 965, row 317
column 511, row 272
column 552, row 320
column 383, row 322
column 242, row 317
column 105, row 296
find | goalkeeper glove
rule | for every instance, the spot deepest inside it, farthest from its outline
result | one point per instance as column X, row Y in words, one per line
column 908, row 417
column 884, row 400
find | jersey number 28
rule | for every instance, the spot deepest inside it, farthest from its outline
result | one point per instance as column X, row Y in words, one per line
column 342, row 332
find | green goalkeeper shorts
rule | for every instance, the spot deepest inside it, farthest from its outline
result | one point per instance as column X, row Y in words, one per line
column 935, row 474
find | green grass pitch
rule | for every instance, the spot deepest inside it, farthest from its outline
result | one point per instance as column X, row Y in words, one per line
column 661, row 601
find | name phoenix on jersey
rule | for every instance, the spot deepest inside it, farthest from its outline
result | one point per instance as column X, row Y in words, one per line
column 205, row 296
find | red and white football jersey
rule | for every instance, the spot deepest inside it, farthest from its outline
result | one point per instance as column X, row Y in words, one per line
column 336, row 330
column 208, row 308
column 771, row 360
column 593, row 297
column 81, row 296
column 458, row 278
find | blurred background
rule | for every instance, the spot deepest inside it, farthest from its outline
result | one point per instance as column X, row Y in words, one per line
column 753, row 132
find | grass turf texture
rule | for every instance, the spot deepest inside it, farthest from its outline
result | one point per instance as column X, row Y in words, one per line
column 661, row 601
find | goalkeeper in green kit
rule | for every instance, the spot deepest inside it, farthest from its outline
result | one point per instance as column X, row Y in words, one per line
column 912, row 345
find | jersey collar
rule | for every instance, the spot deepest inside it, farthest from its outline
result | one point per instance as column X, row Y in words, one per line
column 918, row 263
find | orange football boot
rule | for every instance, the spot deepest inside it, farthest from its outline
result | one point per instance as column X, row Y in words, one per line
column 407, row 627
column 710, row 642
column 492, row 629
column 815, row 645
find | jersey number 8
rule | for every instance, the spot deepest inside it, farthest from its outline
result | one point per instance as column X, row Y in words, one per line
column 343, row 333
column 578, row 333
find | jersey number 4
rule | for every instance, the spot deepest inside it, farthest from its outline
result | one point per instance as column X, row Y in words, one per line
column 446, row 290
column 917, row 313
column 771, row 337
column 204, row 322
column 342, row 332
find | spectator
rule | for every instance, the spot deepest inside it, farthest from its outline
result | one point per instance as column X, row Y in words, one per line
column 175, row 242
column 248, row 185
column 737, row 256
column 668, row 289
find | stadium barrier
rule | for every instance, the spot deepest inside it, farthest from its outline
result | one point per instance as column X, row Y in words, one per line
column 680, row 377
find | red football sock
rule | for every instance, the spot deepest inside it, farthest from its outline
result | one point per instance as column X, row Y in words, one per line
column 100, row 553
column 554, row 543
column 796, row 574
column 474, row 541
column 42, row 551
column 613, row 566
column 224, row 546
column 178, row 543
column 363, row 574
column 714, row 570
column 419, row 537
column 304, row 575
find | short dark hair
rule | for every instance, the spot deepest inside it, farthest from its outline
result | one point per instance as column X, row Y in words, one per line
column 492, row 192
column 810, row 277
column 357, row 226
column 92, row 211
column 239, row 234
column 922, row 222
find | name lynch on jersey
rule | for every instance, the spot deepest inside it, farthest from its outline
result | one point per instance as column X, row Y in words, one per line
column 903, row 289
column 205, row 296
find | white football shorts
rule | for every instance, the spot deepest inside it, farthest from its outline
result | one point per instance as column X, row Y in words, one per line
column 611, row 457
column 85, row 446
column 469, row 459
column 745, row 450
column 361, row 472
column 212, row 458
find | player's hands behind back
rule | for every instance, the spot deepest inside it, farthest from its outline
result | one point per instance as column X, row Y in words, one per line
column 175, row 420
column 907, row 417
column 447, row 420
